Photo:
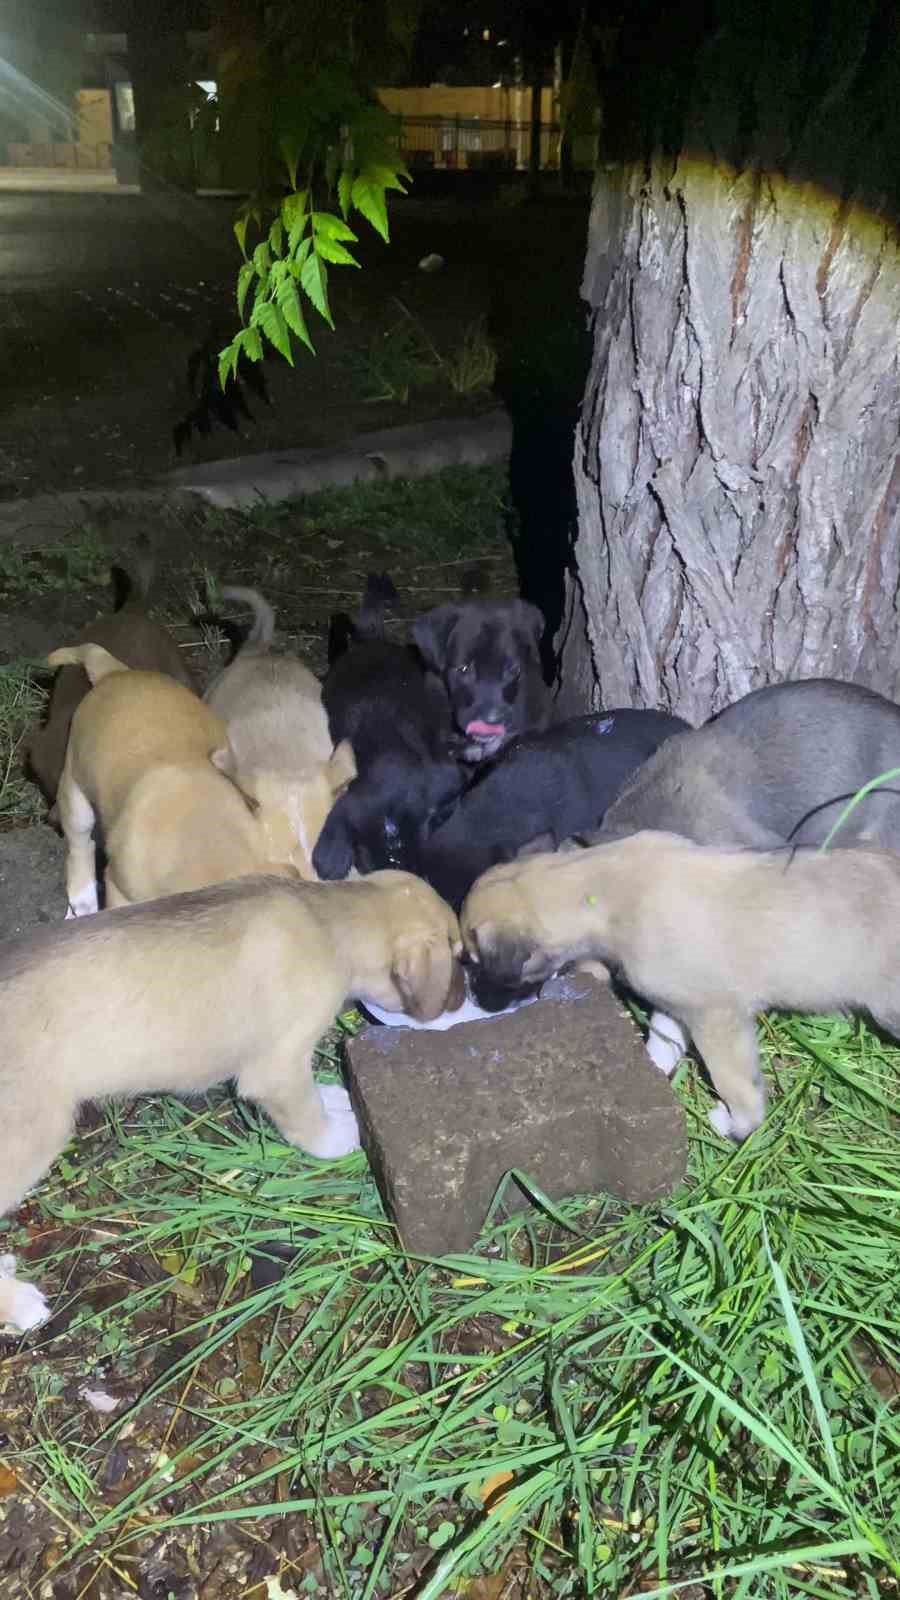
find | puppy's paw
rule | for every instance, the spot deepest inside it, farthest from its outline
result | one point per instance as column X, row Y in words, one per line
column 341, row 1135
column 737, row 1129
column 22, row 1306
column 85, row 903
column 666, row 1042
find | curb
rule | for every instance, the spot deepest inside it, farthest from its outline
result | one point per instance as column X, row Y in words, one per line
column 413, row 450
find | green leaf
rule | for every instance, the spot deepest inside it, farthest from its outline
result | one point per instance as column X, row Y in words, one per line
column 314, row 283
column 269, row 317
column 240, row 225
column 296, row 264
column 228, row 359
column 368, row 196
column 262, row 258
column 276, row 237
column 290, row 155
column 442, row 1535
column 327, row 226
column 288, row 302
column 330, row 250
column 345, row 185
column 295, row 212
column 245, row 278
column 251, row 344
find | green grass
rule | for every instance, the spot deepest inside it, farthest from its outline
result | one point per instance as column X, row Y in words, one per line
column 636, row 1402
column 460, row 512
column 21, row 702
column 79, row 561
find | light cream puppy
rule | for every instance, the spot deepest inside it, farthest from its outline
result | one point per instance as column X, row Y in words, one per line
column 272, row 707
column 236, row 982
column 150, row 765
column 710, row 936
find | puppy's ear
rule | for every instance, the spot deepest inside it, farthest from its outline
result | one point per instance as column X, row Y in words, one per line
column 341, row 768
column 432, row 634
column 427, row 977
column 530, row 618
column 477, row 939
column 541, row 843
column 333, row 855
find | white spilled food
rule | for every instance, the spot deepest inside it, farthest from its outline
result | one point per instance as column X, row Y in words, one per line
column 467, row 1012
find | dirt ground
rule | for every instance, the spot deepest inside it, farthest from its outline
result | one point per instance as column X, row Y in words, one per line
column 103, row 299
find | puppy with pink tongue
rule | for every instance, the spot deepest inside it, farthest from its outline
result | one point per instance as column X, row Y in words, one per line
column 487, row 655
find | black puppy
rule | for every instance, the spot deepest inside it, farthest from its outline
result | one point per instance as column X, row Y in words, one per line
column 545, row 786
column 777, row 767
column 397, row 718
column 486, row 653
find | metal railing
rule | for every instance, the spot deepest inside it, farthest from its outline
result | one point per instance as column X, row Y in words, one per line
column 473, row 144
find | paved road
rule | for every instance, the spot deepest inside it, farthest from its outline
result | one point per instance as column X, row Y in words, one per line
column 97, row 237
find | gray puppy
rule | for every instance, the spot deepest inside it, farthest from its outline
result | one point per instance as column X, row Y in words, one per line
column 777, row 767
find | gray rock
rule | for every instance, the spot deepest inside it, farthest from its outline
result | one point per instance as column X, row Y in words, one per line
column 562, row 1090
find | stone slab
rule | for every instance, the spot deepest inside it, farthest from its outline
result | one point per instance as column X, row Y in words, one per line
column 562, row 1089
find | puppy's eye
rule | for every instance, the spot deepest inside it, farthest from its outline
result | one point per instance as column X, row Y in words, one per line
column 462, row 668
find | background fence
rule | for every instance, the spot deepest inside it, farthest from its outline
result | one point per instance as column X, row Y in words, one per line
column 474, row 144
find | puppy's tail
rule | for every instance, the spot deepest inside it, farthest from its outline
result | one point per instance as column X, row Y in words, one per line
column 262, row 629
column 380, row 596
column 97, row 662
column 131, row 587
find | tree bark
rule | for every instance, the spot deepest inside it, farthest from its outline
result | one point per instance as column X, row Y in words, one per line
column 736, row 463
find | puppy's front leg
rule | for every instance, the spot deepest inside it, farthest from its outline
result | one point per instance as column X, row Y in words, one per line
column 76, row 815
column 316, row 1117
column 666, row 1042
column 726, row 1039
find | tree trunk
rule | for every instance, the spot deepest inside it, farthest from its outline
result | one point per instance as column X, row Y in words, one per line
column 736, row 463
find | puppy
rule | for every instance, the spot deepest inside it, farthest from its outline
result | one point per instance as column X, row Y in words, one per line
column 486, row 654
column 397, row 719
column 151, row 764
column 710, row 936
column 131, row 636
column 238, row 981
column 544, row 786
column 778, row 766
column 272, row 707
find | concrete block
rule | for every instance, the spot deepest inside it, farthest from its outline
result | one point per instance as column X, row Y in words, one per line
column 562, row 1089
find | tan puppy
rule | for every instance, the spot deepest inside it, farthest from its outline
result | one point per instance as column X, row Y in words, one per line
column 272, row 707
column 135, row 640
column 711, row 936
column 147, row 761
column 236, row 982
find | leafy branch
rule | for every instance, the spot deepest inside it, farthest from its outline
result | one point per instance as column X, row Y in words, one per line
column 345, row 147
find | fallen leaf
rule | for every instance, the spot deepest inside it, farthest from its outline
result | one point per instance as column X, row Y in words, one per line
column 494, row 1487
column 8, row 1481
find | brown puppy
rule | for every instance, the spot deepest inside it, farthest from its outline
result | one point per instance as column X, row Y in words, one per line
column 710, row 936
column 272, row 707
column 239, row 981
column 131, row 636
column 151, row 764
